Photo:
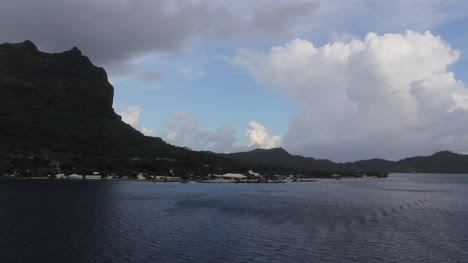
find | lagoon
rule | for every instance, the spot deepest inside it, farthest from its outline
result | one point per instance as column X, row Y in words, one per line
column 403, row 218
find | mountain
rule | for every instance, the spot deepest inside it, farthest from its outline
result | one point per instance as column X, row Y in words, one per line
column 59, row 107
column 440, row 162
column 61, row 102
column 375, row 164
column 280, row 157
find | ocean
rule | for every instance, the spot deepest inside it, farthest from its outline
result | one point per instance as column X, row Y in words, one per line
column 404, row 218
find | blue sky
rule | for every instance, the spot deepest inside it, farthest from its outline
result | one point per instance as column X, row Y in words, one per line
column 343, row 80
column 205, row 85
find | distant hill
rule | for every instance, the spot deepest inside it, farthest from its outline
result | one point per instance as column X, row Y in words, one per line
column 280, row 157
column 440, row 162
column 372, row 165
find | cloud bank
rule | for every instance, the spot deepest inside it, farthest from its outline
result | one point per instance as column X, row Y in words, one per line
column 183, row 130
column 113, row 31
column 389, row 95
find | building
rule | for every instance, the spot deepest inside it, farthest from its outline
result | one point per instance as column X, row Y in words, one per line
column 111, row 176
column 60, row 176
column 254, row 173
column 230, row 176
column 93, row 177
column 75, row 176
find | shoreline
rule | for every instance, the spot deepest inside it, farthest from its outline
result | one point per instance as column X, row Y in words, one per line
column 169, row 180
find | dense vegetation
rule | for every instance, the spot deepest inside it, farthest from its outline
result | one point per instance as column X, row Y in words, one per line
column 440, row 162
column 279, row 156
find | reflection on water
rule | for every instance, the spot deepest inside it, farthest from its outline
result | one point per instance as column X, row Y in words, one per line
column 405, row 218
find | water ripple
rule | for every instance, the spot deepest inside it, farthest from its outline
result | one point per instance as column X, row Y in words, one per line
column 400, row 219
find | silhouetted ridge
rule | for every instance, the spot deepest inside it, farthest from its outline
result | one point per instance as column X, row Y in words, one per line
column 273, row 151
column 25, row 46
column 440, row 162
column 58, row 107
column 446, row 154
column 75, row 51
column 280, row 157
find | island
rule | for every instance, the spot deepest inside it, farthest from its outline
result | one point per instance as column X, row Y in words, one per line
column 57, row 121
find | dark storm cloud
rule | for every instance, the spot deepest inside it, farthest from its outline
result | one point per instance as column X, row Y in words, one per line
column 111, row 31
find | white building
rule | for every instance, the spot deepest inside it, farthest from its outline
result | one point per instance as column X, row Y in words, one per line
column 254, row 173
column 230, row 176
column 60, row 176
column 75, row 176
column 111, row 176
column 92, row 177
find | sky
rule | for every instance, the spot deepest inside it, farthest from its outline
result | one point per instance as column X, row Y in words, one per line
column 338, row 79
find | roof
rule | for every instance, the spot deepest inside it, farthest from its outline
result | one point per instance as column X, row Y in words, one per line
column 230, row 175
column 253, row 173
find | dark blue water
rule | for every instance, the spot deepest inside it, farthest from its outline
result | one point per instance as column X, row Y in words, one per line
column 405, row 218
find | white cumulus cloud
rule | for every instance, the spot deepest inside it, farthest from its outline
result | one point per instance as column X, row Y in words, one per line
column 131, row 115
column 183, row 130
column 258, row 135
column 148, row 131
column 388, row 95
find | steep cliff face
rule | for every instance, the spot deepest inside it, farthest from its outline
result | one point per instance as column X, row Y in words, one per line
column 65, row 81
column 60, row 102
